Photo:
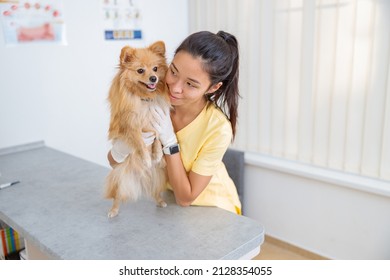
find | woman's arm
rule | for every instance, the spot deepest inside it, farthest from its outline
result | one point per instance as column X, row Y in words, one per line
column 111, row 160
column 186, row 188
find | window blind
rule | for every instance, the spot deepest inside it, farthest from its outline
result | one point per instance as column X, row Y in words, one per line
column 314, row 78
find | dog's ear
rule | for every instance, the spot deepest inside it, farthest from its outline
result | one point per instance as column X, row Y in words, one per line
column 126, row 55
column 158, row 48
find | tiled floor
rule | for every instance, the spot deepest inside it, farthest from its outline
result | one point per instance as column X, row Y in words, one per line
column 273, row 249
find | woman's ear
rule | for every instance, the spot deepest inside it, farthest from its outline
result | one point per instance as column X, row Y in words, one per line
column 214, row 87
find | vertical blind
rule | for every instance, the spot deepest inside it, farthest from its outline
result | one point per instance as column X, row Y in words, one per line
column 314, row 79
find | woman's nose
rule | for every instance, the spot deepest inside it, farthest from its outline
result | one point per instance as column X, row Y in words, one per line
column 176, row 87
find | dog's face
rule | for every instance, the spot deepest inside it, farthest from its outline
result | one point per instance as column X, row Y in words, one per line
column 143, row 69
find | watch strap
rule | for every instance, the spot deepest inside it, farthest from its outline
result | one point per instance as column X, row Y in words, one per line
column 171, row 150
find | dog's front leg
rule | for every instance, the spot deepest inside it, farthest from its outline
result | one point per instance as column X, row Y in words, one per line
column 140, row 151
column 157, row 153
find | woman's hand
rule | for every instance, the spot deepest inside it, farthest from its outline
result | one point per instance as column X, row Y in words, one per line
column 120, row 150
column 163, row 125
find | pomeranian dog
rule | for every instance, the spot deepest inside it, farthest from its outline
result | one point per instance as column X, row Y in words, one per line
column 138, row 85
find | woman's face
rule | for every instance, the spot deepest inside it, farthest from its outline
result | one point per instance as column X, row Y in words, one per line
column 187, row 81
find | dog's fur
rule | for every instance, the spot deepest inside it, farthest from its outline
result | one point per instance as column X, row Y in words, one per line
column 138, row 85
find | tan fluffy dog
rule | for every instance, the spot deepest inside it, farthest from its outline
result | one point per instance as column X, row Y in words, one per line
column 138, row 85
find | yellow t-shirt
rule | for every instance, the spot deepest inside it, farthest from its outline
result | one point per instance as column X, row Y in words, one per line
column 203, row 143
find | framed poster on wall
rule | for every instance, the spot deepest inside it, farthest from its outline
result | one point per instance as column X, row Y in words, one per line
column 26, row 22
column 121, row 20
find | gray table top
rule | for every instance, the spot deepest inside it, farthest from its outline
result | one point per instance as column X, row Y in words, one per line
column 59, row 207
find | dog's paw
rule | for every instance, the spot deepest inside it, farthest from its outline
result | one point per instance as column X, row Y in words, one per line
column 113, row 213
column 157, row 156
column 158, row 162
column 147, row 162
column 162, row 204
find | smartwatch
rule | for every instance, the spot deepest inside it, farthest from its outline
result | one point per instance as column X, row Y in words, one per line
column 171, row 150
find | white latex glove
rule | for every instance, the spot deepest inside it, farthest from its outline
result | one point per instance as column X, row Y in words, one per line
column 163, row 125
column 120, row 150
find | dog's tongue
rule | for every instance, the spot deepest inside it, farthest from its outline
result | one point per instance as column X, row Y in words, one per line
column 151, row 86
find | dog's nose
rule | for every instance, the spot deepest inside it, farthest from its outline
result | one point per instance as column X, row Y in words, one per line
column 153, row 79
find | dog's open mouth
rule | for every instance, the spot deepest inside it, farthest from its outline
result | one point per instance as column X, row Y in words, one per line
column 150, row 86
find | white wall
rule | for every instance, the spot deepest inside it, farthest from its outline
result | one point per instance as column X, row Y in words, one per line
column 329, row 217
column 58, row 93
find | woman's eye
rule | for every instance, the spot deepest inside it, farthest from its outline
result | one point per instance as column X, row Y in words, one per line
column 155, row 69
column 173, row 72
column 140, row 71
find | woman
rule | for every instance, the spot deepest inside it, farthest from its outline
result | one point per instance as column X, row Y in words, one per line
column 203, row 87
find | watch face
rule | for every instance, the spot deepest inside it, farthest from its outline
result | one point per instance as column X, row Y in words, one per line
column 174, row 149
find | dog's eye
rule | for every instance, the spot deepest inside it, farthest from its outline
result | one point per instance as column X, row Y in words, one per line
column 155, row 69
column 140, row 71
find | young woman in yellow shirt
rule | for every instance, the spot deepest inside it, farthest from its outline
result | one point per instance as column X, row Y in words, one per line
column 203, row 87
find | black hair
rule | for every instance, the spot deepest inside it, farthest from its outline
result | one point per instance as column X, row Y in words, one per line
column 220, row 57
